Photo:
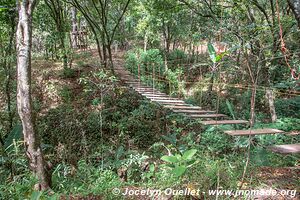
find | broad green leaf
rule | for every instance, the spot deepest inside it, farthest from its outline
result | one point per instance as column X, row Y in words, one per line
column 120, row 152
column 178, row 156
column 151, row 168
column 212, row 52
column 36, row 195
column 187, row 155
column 170, row 159
column 179, row 170
column 15, row 134
column 220, row 56
column 54, row 197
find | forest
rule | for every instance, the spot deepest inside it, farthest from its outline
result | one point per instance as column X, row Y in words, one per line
column 149, row 99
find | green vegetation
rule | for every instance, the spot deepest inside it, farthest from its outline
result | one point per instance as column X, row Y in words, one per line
column 71, row 128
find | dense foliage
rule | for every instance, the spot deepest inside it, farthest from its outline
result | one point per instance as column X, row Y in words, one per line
column 239, row 58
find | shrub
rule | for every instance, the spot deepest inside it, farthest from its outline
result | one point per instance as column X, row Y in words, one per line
column 176, row 57
column 66, row 94
column 68, row 73
column 288, row 107
column 70, row 134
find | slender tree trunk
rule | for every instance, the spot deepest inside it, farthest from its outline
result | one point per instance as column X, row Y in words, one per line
column 9, row 77
column 211, row 86
column 295, row 6
column 252, row 107
column 98, row 47
column 145, row 42
column 62, row 43
column 74, row 34
column 111, row 64
column 32, row 144
column 270, row 99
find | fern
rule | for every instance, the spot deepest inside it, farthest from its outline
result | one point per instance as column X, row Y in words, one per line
column 230, row 108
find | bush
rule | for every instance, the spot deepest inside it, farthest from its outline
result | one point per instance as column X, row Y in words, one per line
column 176, row 57
column 132, row 62
column 66, row 94
column 131, row 120
column 70, row 134
column 69, row 73
column 288, row 107
column 146, row 59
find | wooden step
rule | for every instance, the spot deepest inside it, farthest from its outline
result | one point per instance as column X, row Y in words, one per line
column 208, row 115
column 170, row 103
column 167, row 101
column 216, row 122
column 142, row 87
column 155, row 95
column 286, row 148
column 188, row 107
column 125, row 80
column 193, row 111
column 151, row 92
column 146, row 89
column 133, row 82
column 162, row 98
column 253, row 132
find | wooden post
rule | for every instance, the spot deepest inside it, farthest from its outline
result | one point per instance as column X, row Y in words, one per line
column 139, row 74
column 178, row 90
column 153, row 76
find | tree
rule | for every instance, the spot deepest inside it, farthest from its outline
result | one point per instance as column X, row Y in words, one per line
column 104, row 18
column 32, row 144
column 295, row 6
column 59, row 16
column 7, row 43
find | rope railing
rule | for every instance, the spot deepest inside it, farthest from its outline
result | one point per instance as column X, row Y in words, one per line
column 160, row 78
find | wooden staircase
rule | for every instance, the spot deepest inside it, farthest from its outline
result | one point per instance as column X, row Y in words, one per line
column 208, row 117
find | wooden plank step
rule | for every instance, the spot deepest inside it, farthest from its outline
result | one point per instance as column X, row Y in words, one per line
column 141, row 91
column 163, row 98
column 179, row 107
column 141, row 87
column 170, row 103
column 167, row 100
column 208, row 115
column 155, row 95
column 216, row 122
column 286, row 148
column 253, row 132
column 134, row 82
column 193, row 111
column 150, row 92
column 125, row 80
column 145, row 89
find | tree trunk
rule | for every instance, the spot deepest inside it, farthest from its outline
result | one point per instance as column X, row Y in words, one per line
column 65, row 57
column 110, row 57
column 74, row 34
column 145, row 41
column 295, row 6
column 252, row 108
column 32, row 144
column 9, row 75
column 270, row 99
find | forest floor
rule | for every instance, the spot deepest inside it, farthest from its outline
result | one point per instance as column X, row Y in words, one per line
column 50, row 82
